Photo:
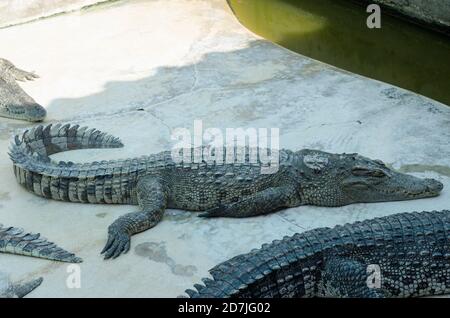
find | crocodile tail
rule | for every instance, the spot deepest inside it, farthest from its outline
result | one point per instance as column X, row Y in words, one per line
column 274, row 270
column 234, row 278
column 17, row 241
column 42, row 141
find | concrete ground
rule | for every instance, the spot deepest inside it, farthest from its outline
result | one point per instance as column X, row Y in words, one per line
column 138, row 70
column 14, row 12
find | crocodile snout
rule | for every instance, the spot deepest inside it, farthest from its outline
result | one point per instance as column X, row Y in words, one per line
column 35, row 112
column 434, row 186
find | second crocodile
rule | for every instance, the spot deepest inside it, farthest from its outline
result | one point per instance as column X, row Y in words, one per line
column 401, row 255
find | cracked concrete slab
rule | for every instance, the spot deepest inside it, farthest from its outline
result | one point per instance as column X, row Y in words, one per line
column 138, row 70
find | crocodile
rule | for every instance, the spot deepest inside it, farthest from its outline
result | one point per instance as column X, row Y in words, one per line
column 9, row 290
column 16, row 241
column 401, row 255
column 217, row 187
column 14, row 102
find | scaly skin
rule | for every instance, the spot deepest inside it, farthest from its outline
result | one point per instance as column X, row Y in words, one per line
column 16, row 241
column 19, row 290
column 14, row 102
column 411, row 250
column 238, row 189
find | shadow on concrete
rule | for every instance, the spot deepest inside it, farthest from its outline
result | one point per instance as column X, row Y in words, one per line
column 216, row 71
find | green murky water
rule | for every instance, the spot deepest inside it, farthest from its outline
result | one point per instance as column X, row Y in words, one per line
column 335, row 32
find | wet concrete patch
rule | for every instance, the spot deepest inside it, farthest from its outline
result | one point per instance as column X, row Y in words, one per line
column 157, row 252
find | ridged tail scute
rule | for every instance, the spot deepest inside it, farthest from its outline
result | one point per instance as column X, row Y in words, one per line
column 293, row 267
column 229, row 279
column 34, row 169
column 17, row 241
column 39, row 142
column 254, row 274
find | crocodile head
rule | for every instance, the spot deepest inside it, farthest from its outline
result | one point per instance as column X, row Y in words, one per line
column 341, row 179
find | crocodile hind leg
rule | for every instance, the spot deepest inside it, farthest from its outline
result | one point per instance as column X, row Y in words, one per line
column 263, row 202
column 343, row 277
column 152, row 199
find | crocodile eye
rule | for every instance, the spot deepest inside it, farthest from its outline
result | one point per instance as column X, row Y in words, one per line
column 365, row 172
column 377, row 173
column 379, row 162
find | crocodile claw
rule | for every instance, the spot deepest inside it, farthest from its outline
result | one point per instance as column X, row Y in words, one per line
column 118, row 243
column 22, row 76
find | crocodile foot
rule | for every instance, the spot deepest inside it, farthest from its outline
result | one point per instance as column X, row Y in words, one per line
column 21, row 75
column 118, row 242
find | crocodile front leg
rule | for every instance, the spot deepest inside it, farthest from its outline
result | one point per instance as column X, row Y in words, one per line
column 18, row 74
column 343, row 277
column 263, row 202
column 21, row 75
column 152, row 199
